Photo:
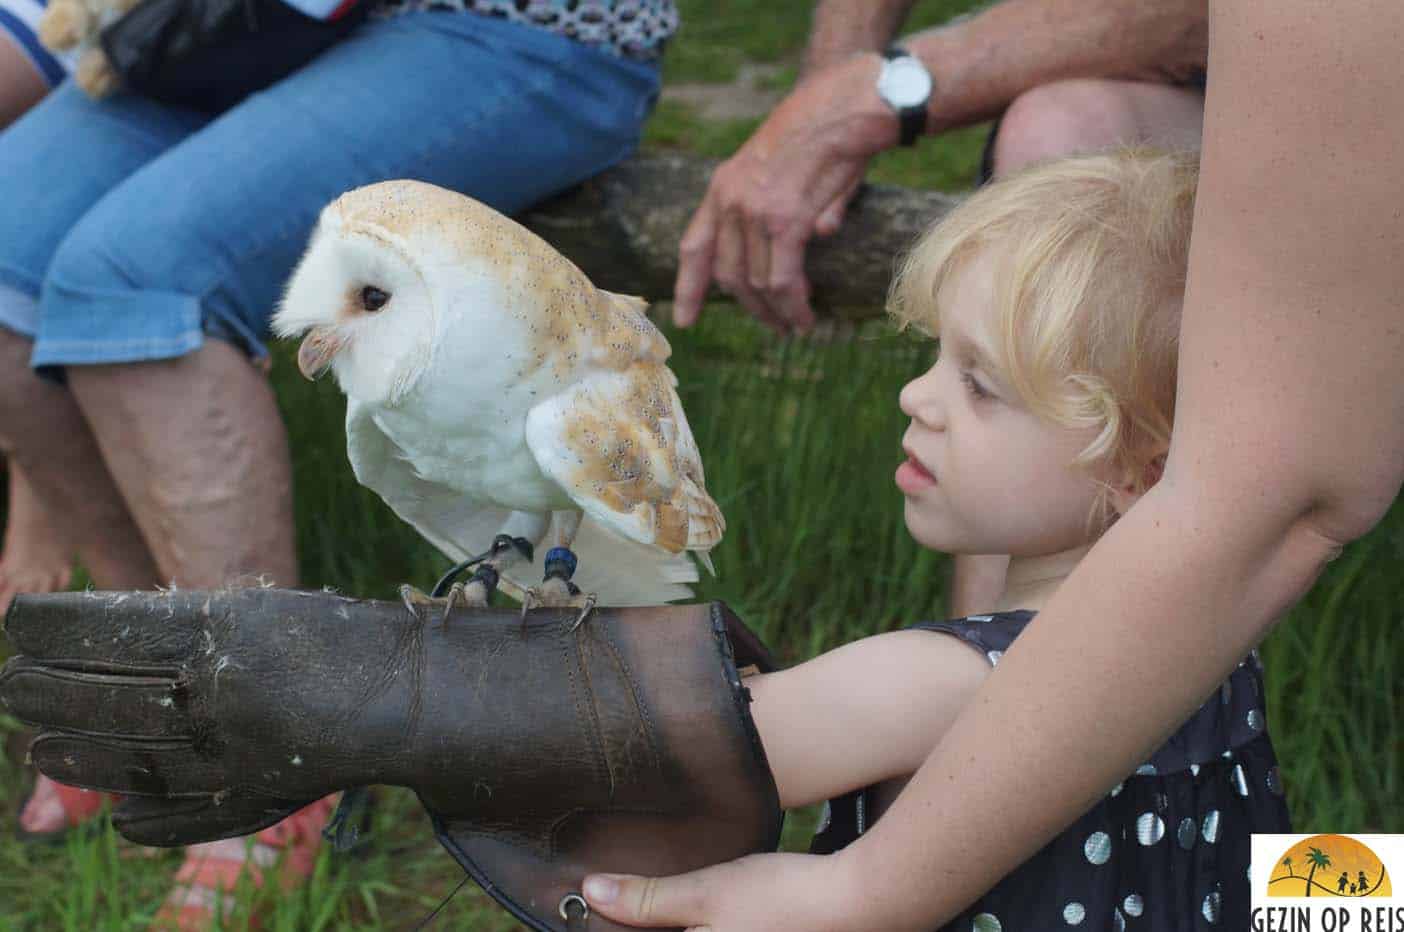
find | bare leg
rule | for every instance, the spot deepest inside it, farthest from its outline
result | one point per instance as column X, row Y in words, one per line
column 1067, row 118
column 884, row 700
column 198, row 449
column 199, row 452
column 1086, row 115
column 21, row 86
column 41, row 428
column 37, row 556
column 48, row 442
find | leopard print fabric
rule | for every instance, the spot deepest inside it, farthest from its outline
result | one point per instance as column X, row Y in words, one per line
column 636, row 29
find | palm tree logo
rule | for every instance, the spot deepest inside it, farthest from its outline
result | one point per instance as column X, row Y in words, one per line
column 1317, row 858
column 1323, row 853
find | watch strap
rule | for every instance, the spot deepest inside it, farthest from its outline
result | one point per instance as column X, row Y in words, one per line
column 912, row 120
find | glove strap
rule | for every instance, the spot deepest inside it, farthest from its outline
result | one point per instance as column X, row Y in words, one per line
column 343, row 829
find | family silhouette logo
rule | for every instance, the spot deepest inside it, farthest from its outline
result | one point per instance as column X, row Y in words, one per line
column 1326, row 883
column 1348, row 868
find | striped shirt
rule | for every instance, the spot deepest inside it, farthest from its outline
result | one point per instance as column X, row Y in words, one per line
column 19, row 21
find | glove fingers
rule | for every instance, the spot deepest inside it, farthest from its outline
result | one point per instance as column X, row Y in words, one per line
column 146, row 767
column 150, row 632
column 117, row 631
column 165, row 822
column 136, row 706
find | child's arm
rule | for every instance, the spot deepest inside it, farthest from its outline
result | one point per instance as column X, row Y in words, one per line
column 866, row 712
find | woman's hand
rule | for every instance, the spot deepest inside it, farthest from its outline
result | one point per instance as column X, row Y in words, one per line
column 758, row 893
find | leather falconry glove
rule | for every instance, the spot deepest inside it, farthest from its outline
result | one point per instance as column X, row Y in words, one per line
column 543, row 750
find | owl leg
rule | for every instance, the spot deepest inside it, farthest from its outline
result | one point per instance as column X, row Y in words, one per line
column 479, row 589
column 486, row 579
column 557, row 590
column 477, row 592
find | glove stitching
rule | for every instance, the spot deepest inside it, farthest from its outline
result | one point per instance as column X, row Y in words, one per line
column 597, row 731
column 640, row 706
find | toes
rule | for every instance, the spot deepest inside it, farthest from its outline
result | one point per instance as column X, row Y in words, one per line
column 13, row 582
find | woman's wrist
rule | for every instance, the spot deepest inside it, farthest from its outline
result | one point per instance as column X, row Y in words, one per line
column 858, row 900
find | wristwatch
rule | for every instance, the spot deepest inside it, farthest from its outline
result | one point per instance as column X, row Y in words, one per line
column 905, row 85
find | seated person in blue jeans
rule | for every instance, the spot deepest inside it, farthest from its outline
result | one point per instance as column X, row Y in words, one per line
column 143, row 248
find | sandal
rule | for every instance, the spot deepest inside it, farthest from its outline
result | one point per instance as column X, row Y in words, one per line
column 205, row 883
column 68, row 806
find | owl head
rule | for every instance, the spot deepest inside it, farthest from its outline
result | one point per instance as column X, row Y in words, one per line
column 359, row 298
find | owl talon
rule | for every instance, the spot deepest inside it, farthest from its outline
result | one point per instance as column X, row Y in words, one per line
column 456, row 594
column 414, row 599
column 585, row 611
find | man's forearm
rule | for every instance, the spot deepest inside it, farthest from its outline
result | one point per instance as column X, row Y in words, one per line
column 842, row 27
column 981, row 63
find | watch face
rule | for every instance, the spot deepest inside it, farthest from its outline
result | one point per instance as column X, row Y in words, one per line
column 904, row 82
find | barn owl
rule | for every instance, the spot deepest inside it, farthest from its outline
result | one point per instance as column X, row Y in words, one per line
column 498, row 401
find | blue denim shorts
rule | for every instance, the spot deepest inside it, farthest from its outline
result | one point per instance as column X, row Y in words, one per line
column 131, row 230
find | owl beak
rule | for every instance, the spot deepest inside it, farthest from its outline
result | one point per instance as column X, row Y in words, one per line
column 317, row 350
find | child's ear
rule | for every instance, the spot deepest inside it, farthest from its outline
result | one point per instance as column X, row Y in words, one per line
column 1136, row 482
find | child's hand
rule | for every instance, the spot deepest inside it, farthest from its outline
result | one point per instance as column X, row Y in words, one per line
column 759, row 893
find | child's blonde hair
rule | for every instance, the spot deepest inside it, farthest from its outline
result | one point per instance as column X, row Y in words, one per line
column 1090, row 256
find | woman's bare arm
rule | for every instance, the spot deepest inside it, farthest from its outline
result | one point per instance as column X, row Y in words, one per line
column 1289, row 441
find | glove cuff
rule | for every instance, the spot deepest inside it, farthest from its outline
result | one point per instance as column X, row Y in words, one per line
column 684, row 782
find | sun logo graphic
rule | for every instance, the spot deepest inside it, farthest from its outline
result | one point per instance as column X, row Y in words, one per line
column 1325, row 883
column 1329, row 865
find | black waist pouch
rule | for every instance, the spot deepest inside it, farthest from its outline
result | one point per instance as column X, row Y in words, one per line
column 211, row 54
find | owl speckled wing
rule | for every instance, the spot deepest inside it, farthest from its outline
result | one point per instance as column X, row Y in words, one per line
column 621, row 447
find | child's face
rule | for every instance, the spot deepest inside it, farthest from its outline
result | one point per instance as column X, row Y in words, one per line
column 983, row 474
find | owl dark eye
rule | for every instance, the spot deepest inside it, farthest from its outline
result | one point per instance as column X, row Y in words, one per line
column 373, row 299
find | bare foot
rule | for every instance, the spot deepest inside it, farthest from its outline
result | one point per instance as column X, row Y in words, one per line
column 36, row 556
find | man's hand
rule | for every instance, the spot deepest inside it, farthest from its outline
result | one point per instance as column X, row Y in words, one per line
column 792, row 180
column 758, row 893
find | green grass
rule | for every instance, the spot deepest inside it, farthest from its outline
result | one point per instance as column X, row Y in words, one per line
column 799, row 440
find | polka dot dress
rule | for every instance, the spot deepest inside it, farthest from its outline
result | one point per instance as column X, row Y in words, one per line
column 1166, row 850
